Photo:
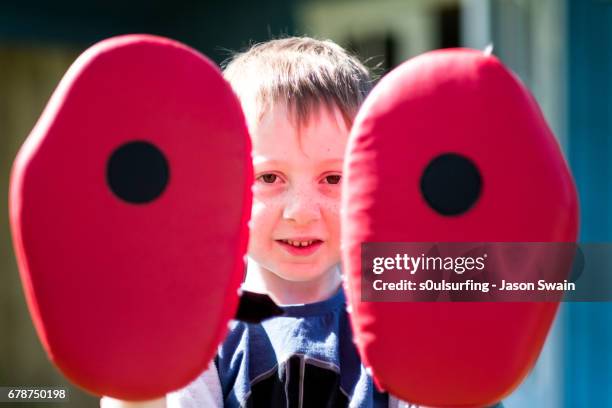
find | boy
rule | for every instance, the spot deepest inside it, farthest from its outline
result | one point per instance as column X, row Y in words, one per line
column 299, row 96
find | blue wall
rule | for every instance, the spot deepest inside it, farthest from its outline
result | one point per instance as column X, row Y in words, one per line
column 588, row 326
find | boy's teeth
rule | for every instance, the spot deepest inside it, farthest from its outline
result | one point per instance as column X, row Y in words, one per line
column 298, row 243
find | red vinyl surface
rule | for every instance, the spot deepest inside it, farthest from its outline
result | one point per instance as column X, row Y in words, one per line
column 130, row 300
column 452, row 101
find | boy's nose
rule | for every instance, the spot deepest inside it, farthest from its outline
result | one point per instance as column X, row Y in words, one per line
column 301, row 207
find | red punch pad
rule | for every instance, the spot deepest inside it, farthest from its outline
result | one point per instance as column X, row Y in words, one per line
column 129, row 204
column 450, row 110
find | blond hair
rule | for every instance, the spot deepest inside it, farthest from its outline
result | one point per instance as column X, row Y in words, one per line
column 302, row 73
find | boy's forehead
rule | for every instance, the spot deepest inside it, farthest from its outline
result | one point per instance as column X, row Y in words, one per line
column 276, row 136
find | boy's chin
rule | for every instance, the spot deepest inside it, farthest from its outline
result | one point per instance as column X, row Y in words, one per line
column 303, row 273
column 300, row 276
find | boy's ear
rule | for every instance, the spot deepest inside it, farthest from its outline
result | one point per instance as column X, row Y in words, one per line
column 256, row 307
column 450, row 147
column 130, row 253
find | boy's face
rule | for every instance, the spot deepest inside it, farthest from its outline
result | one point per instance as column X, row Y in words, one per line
column 295, row 225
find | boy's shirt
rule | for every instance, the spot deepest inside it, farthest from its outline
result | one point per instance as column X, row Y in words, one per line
column 305, row 358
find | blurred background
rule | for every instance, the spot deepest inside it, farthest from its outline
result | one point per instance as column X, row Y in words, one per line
column 562, row 50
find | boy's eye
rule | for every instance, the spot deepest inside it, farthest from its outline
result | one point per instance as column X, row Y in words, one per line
column 268, row 178
column 333, row 179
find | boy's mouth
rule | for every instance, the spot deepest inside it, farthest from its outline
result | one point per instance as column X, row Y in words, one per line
column 300, row 247
column 299, row 243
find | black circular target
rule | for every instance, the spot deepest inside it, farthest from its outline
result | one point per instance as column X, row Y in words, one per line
column 451, row 184
column 137, row 172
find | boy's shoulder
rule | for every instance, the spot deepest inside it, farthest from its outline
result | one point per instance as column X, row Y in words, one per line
column 239, row 339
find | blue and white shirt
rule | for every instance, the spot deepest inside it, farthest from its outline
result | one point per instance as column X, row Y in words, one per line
column 305, row 358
